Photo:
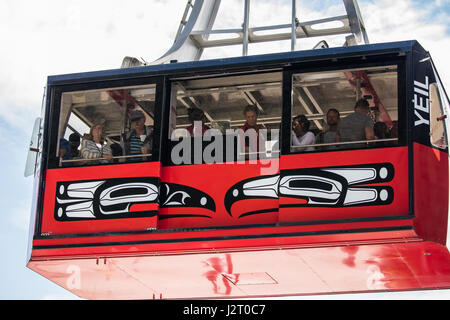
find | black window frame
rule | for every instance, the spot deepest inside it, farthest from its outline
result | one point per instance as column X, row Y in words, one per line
column 232, row 72
column 54, row 110
column 345, row 63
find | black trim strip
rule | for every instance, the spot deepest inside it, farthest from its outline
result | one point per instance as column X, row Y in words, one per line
column 223, row 238
column 216, row 228
column 169, row 216
column 258, row 212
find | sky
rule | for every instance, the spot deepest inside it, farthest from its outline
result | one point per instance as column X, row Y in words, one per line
column 50, row 37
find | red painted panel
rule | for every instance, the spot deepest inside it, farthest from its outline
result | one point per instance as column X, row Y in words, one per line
column 216, row 180
column 53, row 226
column 397, row 157
column 431, row 187
column 234, row 274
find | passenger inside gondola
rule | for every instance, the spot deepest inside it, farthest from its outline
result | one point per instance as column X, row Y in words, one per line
column 74, row 141
column 382, row 131
column 139, row 139
column 357, row 126
column 330, row 134
column 94, row 145
column 301, row 134
column 64, row 151
column 198, row 120
column 117, row 151
column 254, row 139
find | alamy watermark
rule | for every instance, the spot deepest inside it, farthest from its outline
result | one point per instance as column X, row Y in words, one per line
column 213, row 147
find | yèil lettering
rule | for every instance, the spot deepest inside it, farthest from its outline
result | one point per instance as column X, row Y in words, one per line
column 421, row 102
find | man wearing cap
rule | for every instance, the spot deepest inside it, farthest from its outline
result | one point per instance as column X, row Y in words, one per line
column 139, row 139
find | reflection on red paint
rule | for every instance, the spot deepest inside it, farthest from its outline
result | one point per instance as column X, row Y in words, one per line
column 375, row 278
column 220, row 266
column 351, row 253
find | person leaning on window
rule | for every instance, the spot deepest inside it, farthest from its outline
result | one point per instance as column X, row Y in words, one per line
column 300, row 134
column 140, row 138
column 94, row 146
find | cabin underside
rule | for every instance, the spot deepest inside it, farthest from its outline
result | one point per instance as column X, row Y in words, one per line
column 283, row 270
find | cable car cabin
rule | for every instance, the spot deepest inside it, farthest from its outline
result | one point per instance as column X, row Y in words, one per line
column 306, row 172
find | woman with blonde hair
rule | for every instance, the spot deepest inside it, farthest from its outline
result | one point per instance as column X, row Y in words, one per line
column 94, row 145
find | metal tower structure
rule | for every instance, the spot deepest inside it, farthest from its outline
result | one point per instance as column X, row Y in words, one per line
column 196, row 27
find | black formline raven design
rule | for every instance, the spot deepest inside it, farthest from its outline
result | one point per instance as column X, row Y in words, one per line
column 174, row 195
column 265, row 187
column 345, row 186
column 105, row 199
column 113, row 198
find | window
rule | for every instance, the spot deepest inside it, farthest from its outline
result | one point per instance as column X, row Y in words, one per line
column 222, row 119
column 342, row 109
column 437, row 118
column 105, row 126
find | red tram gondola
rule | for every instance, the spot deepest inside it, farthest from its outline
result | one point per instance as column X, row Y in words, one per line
column 194, row 218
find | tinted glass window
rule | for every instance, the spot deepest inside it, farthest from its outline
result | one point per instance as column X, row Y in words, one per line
column 353, row 108
column 105, row 126
column 231, row 118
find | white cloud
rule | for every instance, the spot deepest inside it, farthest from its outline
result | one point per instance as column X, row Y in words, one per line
column 20, row 215
column 41, row 38
column 385, row 21
column 400, row 20
column 57, row 37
